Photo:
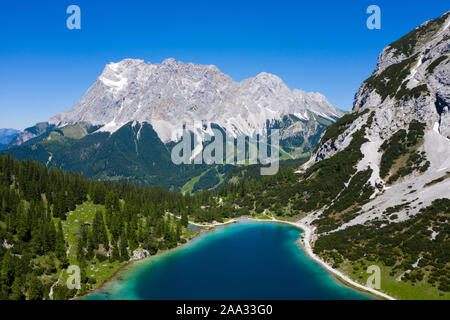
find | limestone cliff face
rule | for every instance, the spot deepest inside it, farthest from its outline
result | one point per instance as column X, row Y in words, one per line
column 411, row 81
column 412, row 78
column 410, row 85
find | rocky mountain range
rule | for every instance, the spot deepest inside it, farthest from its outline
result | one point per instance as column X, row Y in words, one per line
column 132, row 99
column 172, row 93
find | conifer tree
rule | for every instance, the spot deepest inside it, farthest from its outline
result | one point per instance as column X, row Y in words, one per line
column 184, row 219
column 115, row 255
column 17, row 290
column 35, row 289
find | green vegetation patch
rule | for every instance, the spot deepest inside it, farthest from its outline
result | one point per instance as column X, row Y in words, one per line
column 435, row 63
column 406, row 44
column 419, row 244
column 388, row 82
column 325, row 180
column 443, row 178
column 403, row 145
column 355, row 195
column 337, row 128
column 405, row 93
column 208, row 180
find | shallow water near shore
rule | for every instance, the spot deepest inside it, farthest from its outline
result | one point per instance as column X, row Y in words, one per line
column 247, row 260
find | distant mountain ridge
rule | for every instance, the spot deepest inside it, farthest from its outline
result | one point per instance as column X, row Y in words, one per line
column 131, row 96
column 6, row 136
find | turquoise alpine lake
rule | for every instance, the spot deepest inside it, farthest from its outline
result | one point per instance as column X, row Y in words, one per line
column 247, row 260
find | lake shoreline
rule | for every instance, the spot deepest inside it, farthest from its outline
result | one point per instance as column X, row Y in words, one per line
column 305, row 244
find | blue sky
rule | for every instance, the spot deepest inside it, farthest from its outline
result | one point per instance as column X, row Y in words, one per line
column 321, row 46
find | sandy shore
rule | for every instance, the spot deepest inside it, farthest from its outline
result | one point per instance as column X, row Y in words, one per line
column 306, row 242
column 205, row 225
column 214, row 224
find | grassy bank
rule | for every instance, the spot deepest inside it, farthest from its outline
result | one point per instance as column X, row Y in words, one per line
column 390, row 284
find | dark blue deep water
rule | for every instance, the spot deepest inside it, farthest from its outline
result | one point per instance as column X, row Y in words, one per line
column 248, row 260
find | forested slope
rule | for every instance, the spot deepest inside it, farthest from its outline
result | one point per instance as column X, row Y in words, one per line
column 50, row 220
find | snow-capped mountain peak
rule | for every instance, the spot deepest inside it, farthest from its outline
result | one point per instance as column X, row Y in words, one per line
column 172, row 93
